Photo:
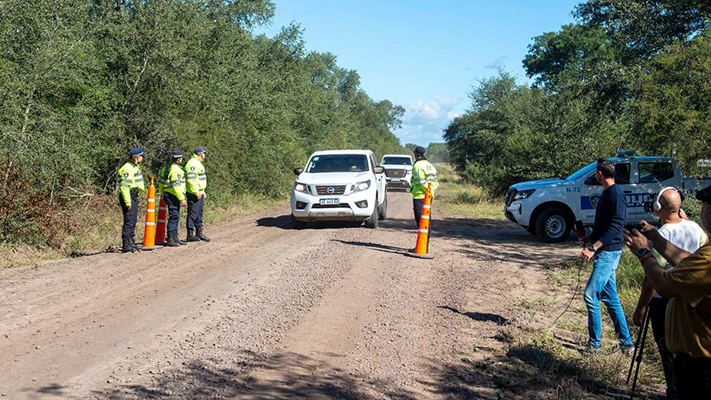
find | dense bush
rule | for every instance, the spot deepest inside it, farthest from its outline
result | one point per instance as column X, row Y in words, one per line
column 630, row 74
column 83, row 81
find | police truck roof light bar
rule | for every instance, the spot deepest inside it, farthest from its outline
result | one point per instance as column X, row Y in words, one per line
column 626, row 153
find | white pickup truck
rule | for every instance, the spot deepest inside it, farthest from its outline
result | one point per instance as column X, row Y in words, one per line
column 339, row 185
column 398, row 170
column 548, row 208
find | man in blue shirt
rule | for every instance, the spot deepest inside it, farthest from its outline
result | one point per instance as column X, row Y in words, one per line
column 605, row 249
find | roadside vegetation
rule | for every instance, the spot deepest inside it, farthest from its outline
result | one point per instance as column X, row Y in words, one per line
column 628, row 74
column 85, row 81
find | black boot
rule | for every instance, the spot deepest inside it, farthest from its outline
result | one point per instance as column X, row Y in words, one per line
column 191, row 236
column 200, row 235
column 138, row 247
column 180, row 242
column 172, row 239
column 127, row 247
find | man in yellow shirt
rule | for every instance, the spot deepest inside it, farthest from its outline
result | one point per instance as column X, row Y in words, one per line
column 130, row 183
column 196, row 183
column 688, row 285
column 174, row 192
column 423, row 174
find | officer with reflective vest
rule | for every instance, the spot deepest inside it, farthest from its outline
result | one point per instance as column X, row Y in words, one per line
column 196, row 184
column 173, row 181
column 130, row 183
column 422, row 173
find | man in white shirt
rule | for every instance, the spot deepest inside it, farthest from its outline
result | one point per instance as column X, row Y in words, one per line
column 686, row 235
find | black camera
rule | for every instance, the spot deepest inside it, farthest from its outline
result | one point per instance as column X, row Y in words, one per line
column 704, row 195
column 648, row 206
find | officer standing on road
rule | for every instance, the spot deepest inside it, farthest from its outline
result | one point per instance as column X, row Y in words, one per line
column 130, row 182
column 196, row 184
column 423, row 172
column 174, row 191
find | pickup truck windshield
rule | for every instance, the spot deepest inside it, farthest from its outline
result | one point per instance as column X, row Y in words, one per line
column 337, row 163
column 582, row 172
column 397, row 160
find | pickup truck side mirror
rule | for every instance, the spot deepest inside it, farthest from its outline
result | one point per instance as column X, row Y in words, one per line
column 378, row 169
column 298, row 170
column 592, row 181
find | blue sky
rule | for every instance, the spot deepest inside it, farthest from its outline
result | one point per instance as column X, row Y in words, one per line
column 423, row 55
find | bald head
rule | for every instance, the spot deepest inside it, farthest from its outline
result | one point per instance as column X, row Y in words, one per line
column 670, row 201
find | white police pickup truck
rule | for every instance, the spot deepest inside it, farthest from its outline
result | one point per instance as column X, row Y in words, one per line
column 339, row 185
column 548, row 208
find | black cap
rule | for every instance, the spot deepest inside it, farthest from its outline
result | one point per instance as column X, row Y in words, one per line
column 200, row 150
column 176, row 153
column 704, row 195
column 135, row 152
column 419, row 151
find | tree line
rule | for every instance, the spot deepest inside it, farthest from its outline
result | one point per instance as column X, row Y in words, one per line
column 83, row 81
column 627, row 74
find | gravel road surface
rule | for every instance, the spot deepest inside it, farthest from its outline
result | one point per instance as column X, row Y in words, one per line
column 267, row 311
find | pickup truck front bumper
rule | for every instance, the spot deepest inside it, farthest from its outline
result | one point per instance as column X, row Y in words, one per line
column 514, row 213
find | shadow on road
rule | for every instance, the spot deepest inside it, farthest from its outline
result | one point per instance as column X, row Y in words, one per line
column 286, row 222
column 477, row 316
column 375, row 246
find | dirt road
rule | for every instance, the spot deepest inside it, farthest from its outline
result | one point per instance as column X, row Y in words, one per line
column 266, row 311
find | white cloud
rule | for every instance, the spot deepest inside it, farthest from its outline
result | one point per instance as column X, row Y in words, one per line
column 425, row 119
column 498, row 63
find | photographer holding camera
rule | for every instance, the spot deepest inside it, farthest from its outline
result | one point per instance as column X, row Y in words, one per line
column 688, row 285
column 605, row 249
column 686, row 235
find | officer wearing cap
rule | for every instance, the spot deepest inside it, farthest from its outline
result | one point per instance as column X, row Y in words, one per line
column 196, row 184
column 130, row 183
column 423, row 172
column 173, row 180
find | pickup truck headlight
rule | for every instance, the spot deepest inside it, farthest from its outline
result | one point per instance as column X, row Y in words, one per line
column 300, row 187
column 360, row 186
column 524, row 194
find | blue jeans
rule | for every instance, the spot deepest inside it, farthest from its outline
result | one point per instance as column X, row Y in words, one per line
column 602, row 286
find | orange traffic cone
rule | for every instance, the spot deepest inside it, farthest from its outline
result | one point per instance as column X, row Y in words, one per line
column 423, row 234
column 160, row 224
column 150, row 232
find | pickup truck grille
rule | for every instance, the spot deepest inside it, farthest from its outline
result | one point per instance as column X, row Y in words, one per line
column 510, row 196
column 342, row 205
column 330, row 190
column 395, row 173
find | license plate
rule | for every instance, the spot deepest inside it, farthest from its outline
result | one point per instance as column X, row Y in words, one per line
column 329, row 202
column 395, row 179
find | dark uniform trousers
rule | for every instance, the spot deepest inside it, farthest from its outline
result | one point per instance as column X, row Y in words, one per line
column 417, row 205
column 195, row 207
column 173, row 212
column 130, row 216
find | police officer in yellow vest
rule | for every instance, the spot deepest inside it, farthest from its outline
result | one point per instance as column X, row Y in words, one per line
column 422, row 173
column 196, row 184
column 173, row 180
column 130, row 183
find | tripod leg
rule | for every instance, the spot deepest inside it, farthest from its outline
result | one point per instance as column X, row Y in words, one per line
column 641, row 352
column 637, row 343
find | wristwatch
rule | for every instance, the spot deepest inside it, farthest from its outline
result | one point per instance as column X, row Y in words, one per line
column 643, row 252
column 592, row 248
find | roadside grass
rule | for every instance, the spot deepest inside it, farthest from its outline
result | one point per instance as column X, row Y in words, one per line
column 542, row 362
column 464, row 200
column 99, row 228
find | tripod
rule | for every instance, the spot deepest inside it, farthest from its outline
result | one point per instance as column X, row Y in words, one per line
column 638, row 351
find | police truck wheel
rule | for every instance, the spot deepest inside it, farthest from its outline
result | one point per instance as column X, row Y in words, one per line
column 552, row 225
column 372, row 222
column 383, row 208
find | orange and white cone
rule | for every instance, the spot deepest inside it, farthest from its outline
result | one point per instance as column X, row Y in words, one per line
column 424, row 231
column 149, row 235
column 160, row 223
